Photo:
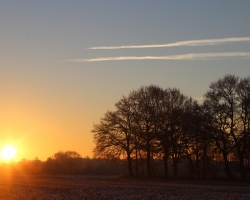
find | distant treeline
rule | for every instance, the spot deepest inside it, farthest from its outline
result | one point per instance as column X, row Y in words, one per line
column 66, row 163
column 71, row 163
column 152, row 124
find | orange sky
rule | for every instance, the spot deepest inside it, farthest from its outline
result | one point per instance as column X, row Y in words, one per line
column 41, row 124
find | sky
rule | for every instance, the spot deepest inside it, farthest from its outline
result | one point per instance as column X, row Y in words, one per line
column 63, row 64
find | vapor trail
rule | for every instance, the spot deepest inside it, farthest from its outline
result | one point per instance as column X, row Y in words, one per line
column 178, row 44
column 192, row 56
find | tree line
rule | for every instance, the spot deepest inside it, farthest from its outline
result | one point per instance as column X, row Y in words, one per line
column 65, row 163
column 152, row 124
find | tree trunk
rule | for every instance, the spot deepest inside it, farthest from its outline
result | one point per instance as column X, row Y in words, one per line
column 191, row 166
column 136, row 162
column 204, row 159
column 141, row 164
column 175, row 166
column 130, row 169
column 197, row 165
column 149, row 174
column 241, row 162
column 227, row 168
column 165, row 159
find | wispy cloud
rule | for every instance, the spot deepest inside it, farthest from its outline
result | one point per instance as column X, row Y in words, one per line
column 192, row 56
column 178, row 44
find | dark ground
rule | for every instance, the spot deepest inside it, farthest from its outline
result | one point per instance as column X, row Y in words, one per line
column 24, row 187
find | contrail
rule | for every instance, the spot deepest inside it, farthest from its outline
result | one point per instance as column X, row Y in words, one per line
column 192, row 56
column 178, row 44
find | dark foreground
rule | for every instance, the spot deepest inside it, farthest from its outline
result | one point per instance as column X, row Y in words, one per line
column 23, row 187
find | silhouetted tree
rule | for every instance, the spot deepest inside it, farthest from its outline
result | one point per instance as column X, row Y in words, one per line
column 171, row 131
column 68, row 162
column 192, row 125
column 152, row 123
column 228, row 103
column 180, row 106
column 242, row 125
column 115, row 133
column 146, row 105
column 219, row 100
column 133, row 126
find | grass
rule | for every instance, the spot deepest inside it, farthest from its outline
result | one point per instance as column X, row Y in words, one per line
column 24, row 187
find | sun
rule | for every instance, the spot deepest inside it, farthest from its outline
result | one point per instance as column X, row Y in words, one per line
column 8, row 152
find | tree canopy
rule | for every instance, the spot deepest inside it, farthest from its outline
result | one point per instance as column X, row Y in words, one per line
column 153, row 124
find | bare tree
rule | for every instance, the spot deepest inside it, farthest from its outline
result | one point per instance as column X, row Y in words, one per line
column 192, row 125
column 228, row 103
column 114, row 135
column 242, row 137
column 146, row 105
column 148, row 122
column 180, row 105
column 170, row 133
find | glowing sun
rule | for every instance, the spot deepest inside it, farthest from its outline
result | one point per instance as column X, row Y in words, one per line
column 8, row 152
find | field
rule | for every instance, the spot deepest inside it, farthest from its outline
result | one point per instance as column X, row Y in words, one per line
column 24, row 187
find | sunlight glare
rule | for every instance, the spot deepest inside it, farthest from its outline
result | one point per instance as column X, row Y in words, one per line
column 8, row 152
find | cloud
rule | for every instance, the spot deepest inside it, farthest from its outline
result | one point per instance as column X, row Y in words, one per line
column 192, row 56
column 178, row 44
